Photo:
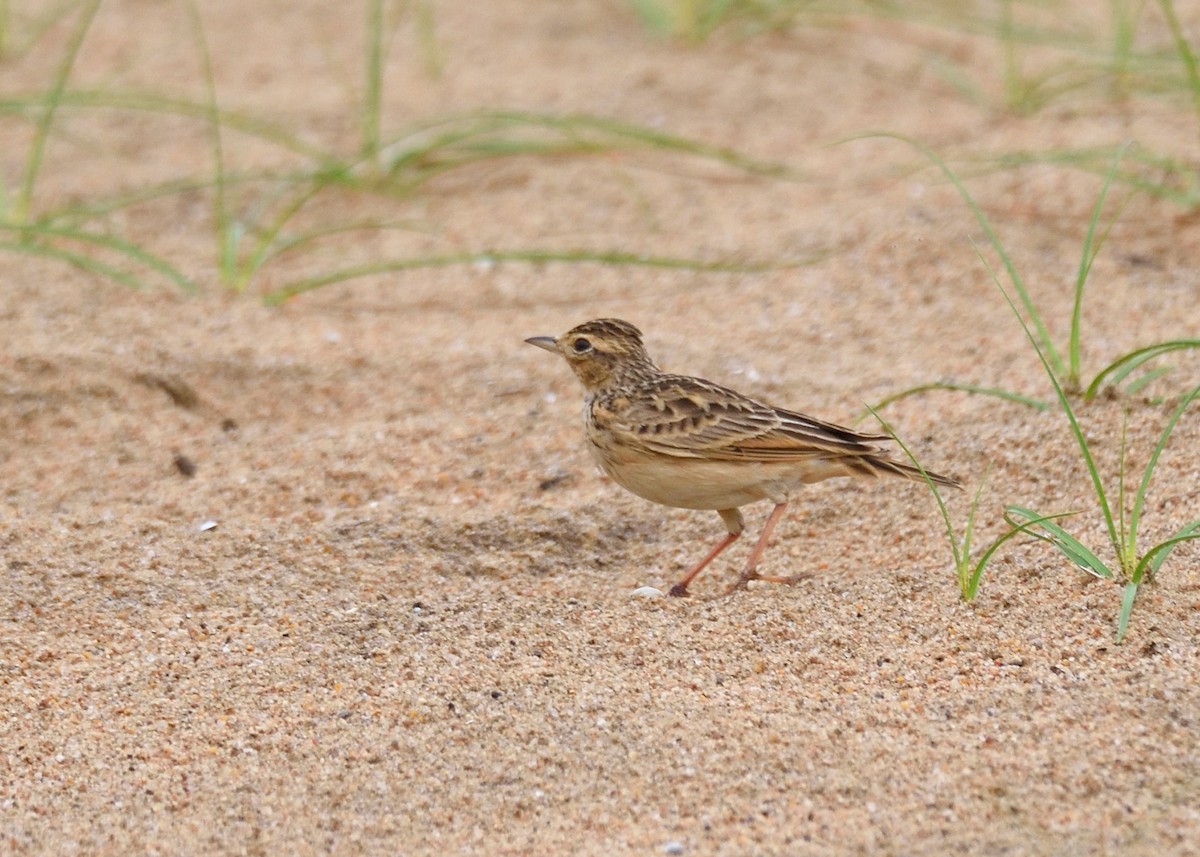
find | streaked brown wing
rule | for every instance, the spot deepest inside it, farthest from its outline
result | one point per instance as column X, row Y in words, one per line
column 692, row 418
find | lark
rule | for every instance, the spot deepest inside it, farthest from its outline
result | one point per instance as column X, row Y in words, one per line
column 692, row 444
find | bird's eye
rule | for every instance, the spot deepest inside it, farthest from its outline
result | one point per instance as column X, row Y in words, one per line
column 581, row 346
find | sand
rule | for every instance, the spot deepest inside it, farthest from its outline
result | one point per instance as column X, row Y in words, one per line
column 390, row 609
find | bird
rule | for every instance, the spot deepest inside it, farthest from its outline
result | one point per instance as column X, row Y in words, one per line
column 688, row 443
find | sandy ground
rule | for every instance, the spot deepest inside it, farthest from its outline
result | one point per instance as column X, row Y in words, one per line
column 411, row 629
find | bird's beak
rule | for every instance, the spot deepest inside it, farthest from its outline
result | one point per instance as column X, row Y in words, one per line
column 546, row 342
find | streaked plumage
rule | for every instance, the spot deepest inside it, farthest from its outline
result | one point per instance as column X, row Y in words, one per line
column 686, row 442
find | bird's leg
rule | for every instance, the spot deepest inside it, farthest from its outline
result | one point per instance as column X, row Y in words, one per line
column 733, row 521
column 752, row 563
column 679, row 590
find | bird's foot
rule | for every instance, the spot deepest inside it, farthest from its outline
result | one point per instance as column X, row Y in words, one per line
column 679, row 590
column 751, row 574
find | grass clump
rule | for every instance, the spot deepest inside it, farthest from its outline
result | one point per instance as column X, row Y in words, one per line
column 21, row 230
column 407, row 162
column 1134, row 565
column 1065, row 363
column 1104, row 59
column 968, row 566
column 1121, row 514
column 1045, row 53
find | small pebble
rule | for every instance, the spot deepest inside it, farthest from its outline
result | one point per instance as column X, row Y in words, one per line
column 184, row 465
column 647, row 592
column 673, row 847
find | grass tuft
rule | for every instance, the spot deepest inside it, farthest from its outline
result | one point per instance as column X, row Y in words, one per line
column 1122, row 529
column 968, row 567
column 1067, row 370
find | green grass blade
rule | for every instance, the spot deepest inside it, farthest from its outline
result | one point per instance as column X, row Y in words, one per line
column 1157, row 555
column 429, row 148
column 1012, row 68
column 77, row 260
column 1128, row 536
column 1140, row 497
column 1144, row 380
column 1127, row 599
column 372, row 108
column 1124, row 33
column 972, row 512
column 1164, row 177
column 134, row 252
column 47, row 15
column 655, row 16
column 969, row 575
column 1091, row 247
column 129, row 249
column 449, row 152
column 1122, row 366
column 154, row 103
column 1076, row 430
column 1185, row 53
column 223, row 228
column 998, row 392
column 961, row 555
column 78, row 212
column 612, row 133
column 50, row 103
column 267, row 237
column 604, row 257
column 1051, row 353
column 1070, row 546
column 955, row 76
column 150, row 260
column 277, row 246
column 996, row 543
column 426, row 25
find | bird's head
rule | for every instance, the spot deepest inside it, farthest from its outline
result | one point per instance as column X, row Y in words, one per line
column 600, row 352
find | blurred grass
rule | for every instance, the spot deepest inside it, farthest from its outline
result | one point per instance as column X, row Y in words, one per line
column 536, row 256
column 1047, row 50
column 1065, row 364
column 256, row 214
column 1096, row 57
column 1137, row 50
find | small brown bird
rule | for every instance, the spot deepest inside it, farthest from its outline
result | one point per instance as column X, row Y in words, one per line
column 686, row 442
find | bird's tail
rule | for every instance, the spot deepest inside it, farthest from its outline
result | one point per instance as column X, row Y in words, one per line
column 877, row 465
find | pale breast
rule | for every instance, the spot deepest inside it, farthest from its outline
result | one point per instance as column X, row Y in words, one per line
column 699, row 484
